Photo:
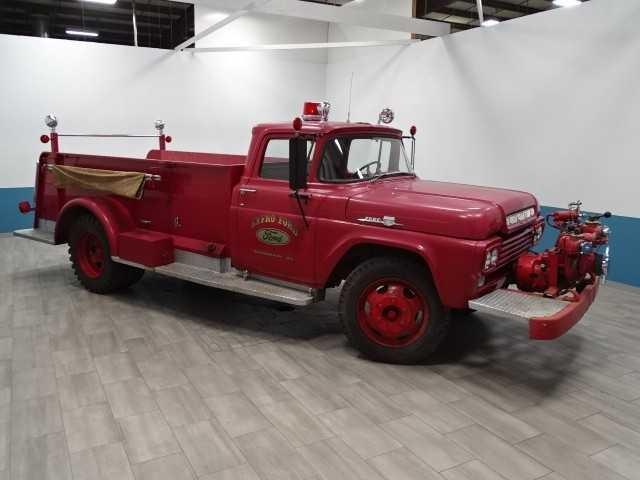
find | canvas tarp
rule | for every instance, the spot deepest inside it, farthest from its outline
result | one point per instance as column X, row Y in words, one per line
column 125, row 184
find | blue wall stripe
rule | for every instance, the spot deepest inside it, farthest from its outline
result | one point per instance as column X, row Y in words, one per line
column 624, row 241
column 625, row 236
column 10, row 218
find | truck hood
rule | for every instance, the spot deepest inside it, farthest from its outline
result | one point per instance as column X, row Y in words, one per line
column 439, row 208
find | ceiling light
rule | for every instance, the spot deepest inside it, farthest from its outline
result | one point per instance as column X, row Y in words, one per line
column 490, row 22
column 81, row 33
column 566, row 3
column 107, row 2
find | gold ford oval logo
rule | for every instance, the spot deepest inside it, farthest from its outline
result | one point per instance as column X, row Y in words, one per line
column 272, row 236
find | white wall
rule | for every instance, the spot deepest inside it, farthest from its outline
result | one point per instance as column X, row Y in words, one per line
column 347, row 33
column 258, row 29
column 209, row 101
column 548, row 103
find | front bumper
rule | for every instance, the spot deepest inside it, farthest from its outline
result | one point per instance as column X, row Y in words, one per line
column 548, row 318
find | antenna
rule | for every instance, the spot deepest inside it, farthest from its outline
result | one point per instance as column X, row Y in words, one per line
column 350, row 90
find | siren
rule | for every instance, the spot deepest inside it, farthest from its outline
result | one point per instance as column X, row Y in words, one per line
column 316, row 111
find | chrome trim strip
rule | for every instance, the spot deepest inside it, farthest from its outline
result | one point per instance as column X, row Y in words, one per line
column 107, row 135
column 386, row 221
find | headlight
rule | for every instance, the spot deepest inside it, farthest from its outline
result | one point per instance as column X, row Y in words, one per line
column 538, row 231
column 491, row 259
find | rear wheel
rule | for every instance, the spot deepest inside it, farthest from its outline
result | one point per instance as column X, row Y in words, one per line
column 391, row 311
column 90, row 257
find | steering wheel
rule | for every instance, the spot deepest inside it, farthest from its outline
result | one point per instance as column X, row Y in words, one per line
column 367, row 167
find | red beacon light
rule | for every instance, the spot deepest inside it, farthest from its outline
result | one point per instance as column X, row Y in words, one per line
column 413, row 130
column 316, row 111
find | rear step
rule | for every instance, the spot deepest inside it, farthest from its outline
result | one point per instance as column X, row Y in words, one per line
column 548, row 318
column 234, row 282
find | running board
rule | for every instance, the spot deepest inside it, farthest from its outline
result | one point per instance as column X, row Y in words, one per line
column 233, row 281
column 36, row 234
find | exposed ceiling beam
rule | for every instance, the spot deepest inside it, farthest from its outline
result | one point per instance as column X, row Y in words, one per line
column 480, row 11
column 469, row 14
column 350, row 16
column 512, row 7
column 423, row 7
column 300, row 46
column 357, row 16
column 118, row 8
column 223, row 23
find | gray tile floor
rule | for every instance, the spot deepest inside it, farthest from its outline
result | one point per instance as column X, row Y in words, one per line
column 175, row 381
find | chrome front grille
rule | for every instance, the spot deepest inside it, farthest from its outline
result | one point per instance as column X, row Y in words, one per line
column 514, row 245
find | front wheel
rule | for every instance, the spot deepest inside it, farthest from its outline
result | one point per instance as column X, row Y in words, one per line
column 91, row 259
column 391, row 311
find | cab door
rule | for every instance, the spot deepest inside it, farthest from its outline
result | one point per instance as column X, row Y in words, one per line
column 273, row 237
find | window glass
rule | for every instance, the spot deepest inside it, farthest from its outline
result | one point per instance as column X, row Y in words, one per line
column 348, row 159
column 275, row 164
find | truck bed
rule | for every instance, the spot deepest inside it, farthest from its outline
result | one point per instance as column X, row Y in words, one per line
column 188, row 198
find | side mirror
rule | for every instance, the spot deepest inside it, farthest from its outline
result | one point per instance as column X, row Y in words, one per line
column 298, row 163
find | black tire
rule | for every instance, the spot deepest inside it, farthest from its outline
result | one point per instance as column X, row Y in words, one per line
column 107, row 276
column 367, row 274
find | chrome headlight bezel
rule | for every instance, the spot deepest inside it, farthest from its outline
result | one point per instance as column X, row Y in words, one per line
column 491, row 258
column 538, row 232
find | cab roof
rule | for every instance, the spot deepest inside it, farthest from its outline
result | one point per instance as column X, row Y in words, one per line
column 323, row 128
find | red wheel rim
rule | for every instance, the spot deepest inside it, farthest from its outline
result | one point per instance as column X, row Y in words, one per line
column 90, row 254
column 392, row 313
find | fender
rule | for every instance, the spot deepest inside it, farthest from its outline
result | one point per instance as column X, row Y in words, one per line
column 453, row 278
column 112, row 215
column 338, row 251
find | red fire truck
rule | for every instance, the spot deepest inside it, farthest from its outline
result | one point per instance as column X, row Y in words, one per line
column 314, row 205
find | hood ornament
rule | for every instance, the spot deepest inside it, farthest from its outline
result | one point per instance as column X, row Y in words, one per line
column 387, row 221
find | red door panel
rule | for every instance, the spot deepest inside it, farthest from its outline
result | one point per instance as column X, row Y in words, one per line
column 272, row 237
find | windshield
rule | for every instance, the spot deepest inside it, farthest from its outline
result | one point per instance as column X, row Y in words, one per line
column 352, row 159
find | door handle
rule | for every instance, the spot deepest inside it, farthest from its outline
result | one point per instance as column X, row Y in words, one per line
column 303, row 195
column 244, row 191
